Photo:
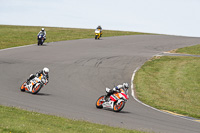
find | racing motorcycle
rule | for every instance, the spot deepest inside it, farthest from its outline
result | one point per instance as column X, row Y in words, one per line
column 116, row 101
column 97, row 34
column 36, row 84
column 40, row 39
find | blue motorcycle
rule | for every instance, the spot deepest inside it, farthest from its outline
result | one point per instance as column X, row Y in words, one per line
column 40, row 39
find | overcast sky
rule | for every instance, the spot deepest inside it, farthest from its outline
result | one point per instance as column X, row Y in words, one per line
column 174, row 17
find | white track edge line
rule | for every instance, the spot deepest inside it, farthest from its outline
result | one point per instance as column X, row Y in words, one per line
column 19, row 47
column 133, row 95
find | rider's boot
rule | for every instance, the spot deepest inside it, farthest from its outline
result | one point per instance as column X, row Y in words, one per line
column 28, row 81
column 30, row 77
column 107, row 97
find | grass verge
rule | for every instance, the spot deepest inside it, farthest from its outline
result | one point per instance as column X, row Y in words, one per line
column 170, row 83
column 13, row 120
column 12, row 36
column 190, row 50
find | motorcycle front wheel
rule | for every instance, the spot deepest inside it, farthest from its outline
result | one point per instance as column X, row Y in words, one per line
column 100, row 101
column 39, row 42
column 96, row 36
column 118, row 107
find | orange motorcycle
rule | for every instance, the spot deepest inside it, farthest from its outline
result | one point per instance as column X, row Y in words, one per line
column 34, row 85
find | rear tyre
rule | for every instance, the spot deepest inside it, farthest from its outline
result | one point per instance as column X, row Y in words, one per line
column 22, row 88
column 36, row 89
column 99, row 102
column 118, row 107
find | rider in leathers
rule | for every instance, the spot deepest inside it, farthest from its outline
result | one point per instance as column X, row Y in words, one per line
column 100, row 28
column 43, row 32
column 44, row 71
column 124, row 86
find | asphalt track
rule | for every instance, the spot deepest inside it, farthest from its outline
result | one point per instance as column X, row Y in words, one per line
column 80, row 70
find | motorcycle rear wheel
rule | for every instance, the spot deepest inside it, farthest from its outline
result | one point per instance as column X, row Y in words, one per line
column 118, row 107
column 36, row 89
column 99, row 102
column 22, row 88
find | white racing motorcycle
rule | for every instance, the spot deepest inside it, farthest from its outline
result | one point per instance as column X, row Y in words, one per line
column 35, row 85
column 115, row 102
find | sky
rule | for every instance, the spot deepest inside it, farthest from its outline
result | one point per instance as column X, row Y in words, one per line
column 172, row 17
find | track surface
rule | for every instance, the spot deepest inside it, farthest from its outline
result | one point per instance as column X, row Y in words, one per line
column 80, row 70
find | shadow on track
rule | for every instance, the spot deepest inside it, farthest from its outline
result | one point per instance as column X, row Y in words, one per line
column 42, row 45
column 38, row 94
column 42, row 94
column 124, row 112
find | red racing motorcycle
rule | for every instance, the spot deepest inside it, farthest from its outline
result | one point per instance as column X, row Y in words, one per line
column 116, row 101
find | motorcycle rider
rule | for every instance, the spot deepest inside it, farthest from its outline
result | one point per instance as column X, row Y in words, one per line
column 43, row 32
column 118, row 88
column 100, row 28
column 44, row 72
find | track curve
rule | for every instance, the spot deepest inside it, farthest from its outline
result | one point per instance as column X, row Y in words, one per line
column 80, row 70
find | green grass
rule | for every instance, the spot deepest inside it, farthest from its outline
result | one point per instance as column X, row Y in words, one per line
column 190, row 50
column 171, row 83
column 12, row 36
column 14, row 120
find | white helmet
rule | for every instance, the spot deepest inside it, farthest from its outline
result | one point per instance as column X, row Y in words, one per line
column 45, row 71
column 42, row 29
column 125, row 85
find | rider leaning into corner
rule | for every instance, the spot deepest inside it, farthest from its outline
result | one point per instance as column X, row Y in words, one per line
column 100, row 28
column 119, row 88
column 44, row 72
column 43, row 32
